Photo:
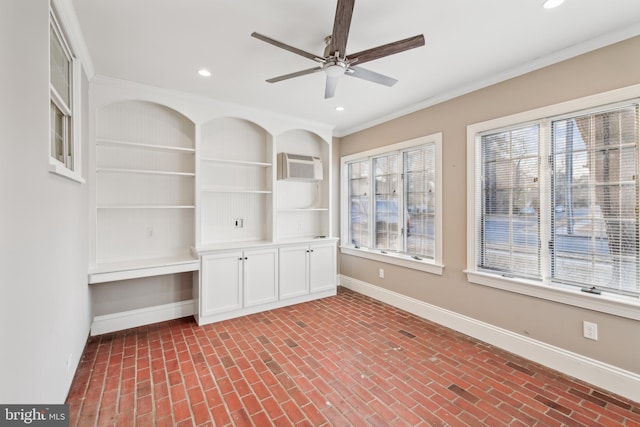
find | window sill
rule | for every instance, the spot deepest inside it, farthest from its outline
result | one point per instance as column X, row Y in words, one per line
column 393, row 258
column 616, row 305
column 59, row 169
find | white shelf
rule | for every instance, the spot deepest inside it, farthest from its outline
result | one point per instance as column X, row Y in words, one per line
column 236, row 162
column 211, row 189
column 109, row 272
column 146, row 207
column 145, row 171
column 303, row 210
column 142, row 146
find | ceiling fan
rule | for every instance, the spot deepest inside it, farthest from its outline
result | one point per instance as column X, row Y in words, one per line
column 335, row 62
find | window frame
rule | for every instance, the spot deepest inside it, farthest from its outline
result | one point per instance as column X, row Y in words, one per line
column 71, row 167
column 607, row 302
column 434, row 266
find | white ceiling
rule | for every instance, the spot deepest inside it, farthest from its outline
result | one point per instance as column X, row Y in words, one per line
column 469, row 44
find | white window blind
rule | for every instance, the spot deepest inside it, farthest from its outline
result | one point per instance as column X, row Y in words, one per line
column 556, row 200
column 392, row 201
column 359, row 203
column 420, row 201
column 509, row 202
column 595, row 200
column 60, row 67
column 387, row 214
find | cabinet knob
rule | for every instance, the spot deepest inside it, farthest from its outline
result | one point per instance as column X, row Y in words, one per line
column 246, row 258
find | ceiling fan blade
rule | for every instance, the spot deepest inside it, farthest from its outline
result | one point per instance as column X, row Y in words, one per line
column 287, row 47
column 296, row 74
column 341, row 24
column 386, row 50
column 330, row 87
column 372, row 76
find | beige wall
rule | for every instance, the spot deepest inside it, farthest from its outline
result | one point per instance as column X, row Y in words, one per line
column 554, row 323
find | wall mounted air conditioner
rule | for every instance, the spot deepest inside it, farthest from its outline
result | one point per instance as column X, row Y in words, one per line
column 296, row 167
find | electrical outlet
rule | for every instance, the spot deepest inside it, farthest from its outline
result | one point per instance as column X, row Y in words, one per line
column 381, row 273
column 149, row 232
column 239, row 223
column 590, row 330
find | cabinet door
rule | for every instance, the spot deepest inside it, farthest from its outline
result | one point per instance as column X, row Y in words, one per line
column 260, row 276
column 221, row 289
column 322, row 267
column 294, row 277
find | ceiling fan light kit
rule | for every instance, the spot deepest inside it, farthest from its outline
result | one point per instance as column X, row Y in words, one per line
column 333, row 64
column 335, row 68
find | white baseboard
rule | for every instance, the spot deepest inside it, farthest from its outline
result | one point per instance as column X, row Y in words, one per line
column 603, row 375
column 140, row 317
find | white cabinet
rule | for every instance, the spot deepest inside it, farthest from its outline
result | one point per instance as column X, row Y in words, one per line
column 306, row 269
column 322, row 267
column 260, row 276
column 294, row 271
column 256, row 278
column 233, row 280
column 221, row 283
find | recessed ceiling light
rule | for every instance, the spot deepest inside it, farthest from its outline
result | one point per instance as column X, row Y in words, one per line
column 550, row 4
column 339, row 108
column 204, row 72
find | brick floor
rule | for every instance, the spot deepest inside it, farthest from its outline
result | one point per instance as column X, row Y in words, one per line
column 341, row 361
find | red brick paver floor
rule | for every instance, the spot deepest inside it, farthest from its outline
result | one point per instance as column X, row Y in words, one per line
column 341, row 361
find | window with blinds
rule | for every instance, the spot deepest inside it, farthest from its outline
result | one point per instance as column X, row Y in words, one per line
column 359, row 203
column 510, row 202
column 420, row 200
column 594, row 240
column 387, row 209
column 392, row 202
column 557, row 200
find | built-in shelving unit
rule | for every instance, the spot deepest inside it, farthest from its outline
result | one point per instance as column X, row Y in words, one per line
column 235, row 182
column 302, row 208
column 188, row 213
column 145, row 178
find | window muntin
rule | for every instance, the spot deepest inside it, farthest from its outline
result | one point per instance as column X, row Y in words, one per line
column 402, row 192
column 587, row 213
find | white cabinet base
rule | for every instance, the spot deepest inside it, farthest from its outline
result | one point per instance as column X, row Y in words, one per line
column 204, row 320
column 243, row 280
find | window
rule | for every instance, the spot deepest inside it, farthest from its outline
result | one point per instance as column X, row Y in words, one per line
column 392, row 204
column 553, row 202
column 64, row 100
column 509, row 202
